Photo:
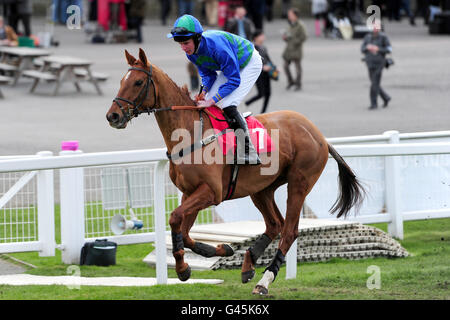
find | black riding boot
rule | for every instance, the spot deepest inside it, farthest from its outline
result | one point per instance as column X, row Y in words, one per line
column 236, row 121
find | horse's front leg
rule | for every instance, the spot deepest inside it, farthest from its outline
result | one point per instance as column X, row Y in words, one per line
column 202, row 198
column 203, row 249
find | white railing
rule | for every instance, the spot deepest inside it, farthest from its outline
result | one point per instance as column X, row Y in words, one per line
column 394, row 148
column 72, row 163
column 391, row 152
column 386, row 137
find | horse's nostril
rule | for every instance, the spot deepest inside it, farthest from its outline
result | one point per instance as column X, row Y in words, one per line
column 113, row 117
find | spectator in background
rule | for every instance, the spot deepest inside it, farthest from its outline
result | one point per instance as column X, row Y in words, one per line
column 255, row 10
column 8, row 36
column 240, row 24
column 393, row 9
column 185, row 7
column 166, row 5
column 293, row 52
column 269, row 10
column 405, row 5
column 22, row 11
column 375, row 47
column 319, row 10
column 422, row 10
column 284, row 8
column 193, row 76
column 263, row 82
column 60, row 14
column 211, row 8
column 136, row 15
column 435, row 8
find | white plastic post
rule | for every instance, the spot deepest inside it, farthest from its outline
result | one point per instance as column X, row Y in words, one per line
column 72, row 211
column 291, row 261
column 393, row 196
column 160, row 222
column 291, row 257
column 46, row 209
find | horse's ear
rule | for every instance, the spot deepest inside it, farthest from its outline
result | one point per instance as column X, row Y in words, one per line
column 143, row 57
column 131, row 60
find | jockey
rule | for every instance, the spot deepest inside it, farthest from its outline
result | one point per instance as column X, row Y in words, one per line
column 229, row 67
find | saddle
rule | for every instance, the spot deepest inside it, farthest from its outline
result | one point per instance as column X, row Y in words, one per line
column 258, row 134
column 226, row 139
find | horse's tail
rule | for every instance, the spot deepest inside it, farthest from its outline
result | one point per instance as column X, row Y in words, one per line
column 351, row 192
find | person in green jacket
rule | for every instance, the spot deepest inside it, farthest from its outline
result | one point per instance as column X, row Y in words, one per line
column 293, row 52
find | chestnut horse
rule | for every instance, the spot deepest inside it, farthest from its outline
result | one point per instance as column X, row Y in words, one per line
column 302, row 155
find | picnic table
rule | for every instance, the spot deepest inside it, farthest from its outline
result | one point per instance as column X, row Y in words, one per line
column 61, row 69
column 18, row 59
column 4, row 80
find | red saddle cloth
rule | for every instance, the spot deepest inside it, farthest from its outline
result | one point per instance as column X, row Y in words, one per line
column 261, row 140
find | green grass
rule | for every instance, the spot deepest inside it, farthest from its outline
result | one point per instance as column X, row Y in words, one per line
column 423, row 275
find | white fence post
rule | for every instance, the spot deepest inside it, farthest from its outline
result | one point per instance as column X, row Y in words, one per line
column 160, row 222
column 72, row 211
column 46, row 209
column 393, row 196
column 291, row 257
column 291, row 261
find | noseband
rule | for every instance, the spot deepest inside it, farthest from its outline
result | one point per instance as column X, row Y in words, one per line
column 142, row 96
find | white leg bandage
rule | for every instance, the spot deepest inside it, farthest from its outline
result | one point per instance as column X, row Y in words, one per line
column 266, row 279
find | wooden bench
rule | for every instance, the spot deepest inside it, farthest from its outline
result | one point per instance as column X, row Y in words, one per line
column 4, row 80
column 82, row 74
column 35, row 74
column 8, row 67
column 38, row 75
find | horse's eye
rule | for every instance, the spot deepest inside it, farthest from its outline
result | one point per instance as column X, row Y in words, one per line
column 138, row 83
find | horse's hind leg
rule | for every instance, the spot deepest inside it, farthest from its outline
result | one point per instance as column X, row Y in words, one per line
column 297, row 191
column 265, row 202
column 202, row 198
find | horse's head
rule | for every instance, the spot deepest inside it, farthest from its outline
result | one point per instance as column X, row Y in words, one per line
column 137, row 92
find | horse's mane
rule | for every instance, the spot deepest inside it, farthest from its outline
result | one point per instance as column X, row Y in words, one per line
column 184, row 91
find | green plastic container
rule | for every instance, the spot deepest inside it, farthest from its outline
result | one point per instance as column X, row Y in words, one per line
column 26, row 42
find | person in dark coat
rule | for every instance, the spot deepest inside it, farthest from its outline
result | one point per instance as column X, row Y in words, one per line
column 375, row 47
column 263, row 82
column 166, row 6
column 22, row 11
column 240, row 25
column 293, row 53
column 136, row 15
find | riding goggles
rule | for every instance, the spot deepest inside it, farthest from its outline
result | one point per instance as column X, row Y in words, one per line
column 180, row 32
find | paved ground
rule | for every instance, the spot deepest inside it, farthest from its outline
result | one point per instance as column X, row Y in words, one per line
column 335, row 94
column 7, row 267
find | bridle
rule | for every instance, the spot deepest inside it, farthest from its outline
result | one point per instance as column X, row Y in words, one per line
column 136, row 111
column 142, row 96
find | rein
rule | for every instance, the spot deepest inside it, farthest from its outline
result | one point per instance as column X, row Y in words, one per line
column 134, row 112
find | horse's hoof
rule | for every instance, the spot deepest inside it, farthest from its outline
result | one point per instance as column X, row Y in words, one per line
column 228, row 250
column 247, row 276
column 185, row 275
column 260, row 290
